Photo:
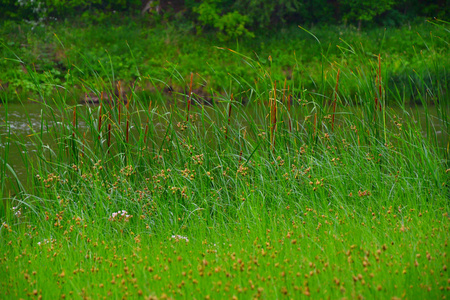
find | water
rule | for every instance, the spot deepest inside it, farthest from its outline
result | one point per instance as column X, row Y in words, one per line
column 24, row 126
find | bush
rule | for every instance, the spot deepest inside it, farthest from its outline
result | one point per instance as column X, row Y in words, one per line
column 230, row 24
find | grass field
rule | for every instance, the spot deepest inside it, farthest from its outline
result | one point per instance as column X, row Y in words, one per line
column 71, row 57
column 285, row 185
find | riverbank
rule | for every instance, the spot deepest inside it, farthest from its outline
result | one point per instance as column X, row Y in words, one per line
column 44, row 61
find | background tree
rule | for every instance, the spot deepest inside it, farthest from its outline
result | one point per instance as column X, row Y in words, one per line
column 230, row 18
column 364, row 10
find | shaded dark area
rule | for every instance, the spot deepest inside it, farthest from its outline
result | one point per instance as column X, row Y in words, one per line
column 420, row 87
column 230, row 17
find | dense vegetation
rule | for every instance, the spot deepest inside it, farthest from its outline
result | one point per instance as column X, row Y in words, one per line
column 299, row 162
column 63, row 42
column 231, row 18
column 77, row 60
column 261, row 13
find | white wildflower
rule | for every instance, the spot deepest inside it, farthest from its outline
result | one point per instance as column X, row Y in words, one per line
column 17, row 211
column 120, row 216
column 178, row 237
column 45, row 241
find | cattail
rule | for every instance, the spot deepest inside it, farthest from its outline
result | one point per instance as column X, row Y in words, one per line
column 189, row 98
column 335, row 100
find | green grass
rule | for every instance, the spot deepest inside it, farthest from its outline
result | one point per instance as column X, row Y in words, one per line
column 70, row 56
column 276, row 198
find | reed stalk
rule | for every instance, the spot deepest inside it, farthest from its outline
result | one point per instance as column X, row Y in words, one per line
column 289, row 111
column 99, row 128
column 127, row 130
column 109, row 130
column 273, row 110
column 380, row 91
column 315, row 124
column 189, row 98
column 229, row 116
column 148, row 121
column 84, row 144
column 74, row 121
column 335, row 99
column 119, row 102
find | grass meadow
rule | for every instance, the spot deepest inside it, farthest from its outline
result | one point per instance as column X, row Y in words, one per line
column 329, row 180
